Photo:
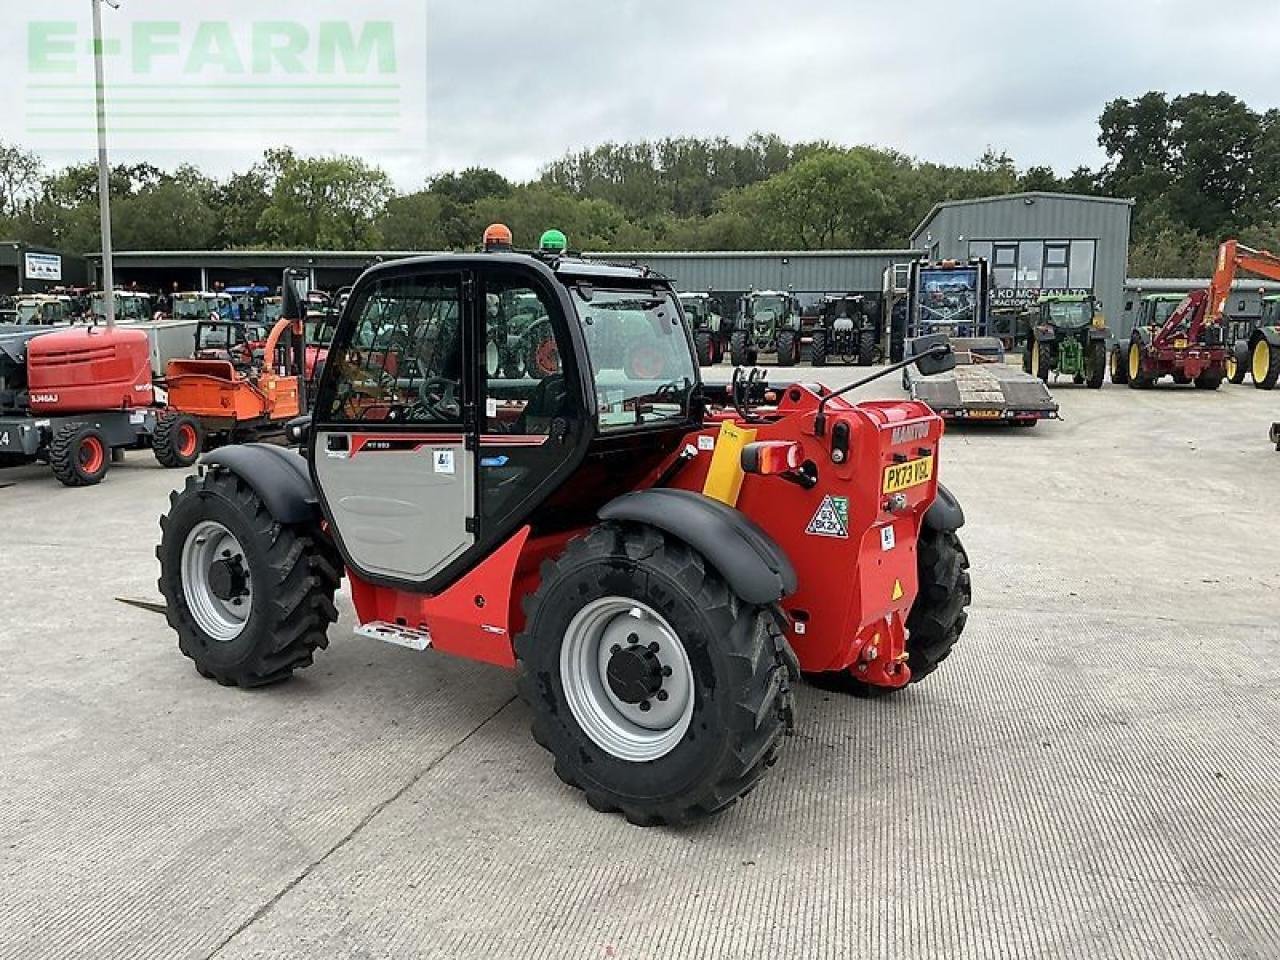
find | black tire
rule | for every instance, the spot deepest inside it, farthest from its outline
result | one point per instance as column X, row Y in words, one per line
column 1141, row 381
column 1119, row 367
column 705, row 347
column 937, row 618
column 79, row 455
column 1042, row 361
column 1026, row 356
column 738, row 353
column 293, row 571
column 1238, row 364
column 1096, row 366
column 788, row 348
column 866, row 348
column 178, row 440
column 739, row 660
column 1272, row 357
column 1209, row 380
column 818, row 348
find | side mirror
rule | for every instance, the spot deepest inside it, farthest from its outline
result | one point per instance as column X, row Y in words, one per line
column 933, row 354
column 298, row 430
column 293, row 294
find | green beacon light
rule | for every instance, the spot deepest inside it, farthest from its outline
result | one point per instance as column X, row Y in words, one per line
column 554, row 241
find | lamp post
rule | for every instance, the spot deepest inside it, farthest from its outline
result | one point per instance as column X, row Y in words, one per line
column 104, row 168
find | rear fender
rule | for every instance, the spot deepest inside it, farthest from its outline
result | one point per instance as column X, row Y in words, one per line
column 1099, row 333
column 278, row 476
column 1045, row 335
column 1269, row 334
column 945, row 515
column 754, row 565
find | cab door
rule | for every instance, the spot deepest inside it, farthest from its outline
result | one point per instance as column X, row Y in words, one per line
column 395, row 431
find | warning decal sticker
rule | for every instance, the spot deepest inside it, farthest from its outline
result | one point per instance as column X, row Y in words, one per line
column 831, row 520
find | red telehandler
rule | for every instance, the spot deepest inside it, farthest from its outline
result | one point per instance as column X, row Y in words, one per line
column 657, row 558
column 1191, row 345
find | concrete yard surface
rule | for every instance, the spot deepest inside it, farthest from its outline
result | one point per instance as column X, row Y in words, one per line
column 1094, row 773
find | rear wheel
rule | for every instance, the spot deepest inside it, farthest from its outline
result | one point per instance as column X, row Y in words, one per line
column 177, row 441
column 1095, row 365
column 705, row 344
column 788, row 348
column 660, row 693
column 1041, row 361
column 738, row 354
column 251, row 599
column 866, row 348
column 1119, row 367
column 818, row 348
column 79, row 455
column 937, row 617
column 1265, row 364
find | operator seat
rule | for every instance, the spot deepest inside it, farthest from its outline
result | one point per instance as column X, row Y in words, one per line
column 549, row 402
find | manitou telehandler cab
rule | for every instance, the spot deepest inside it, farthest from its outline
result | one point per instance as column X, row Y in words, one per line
column 658, row 559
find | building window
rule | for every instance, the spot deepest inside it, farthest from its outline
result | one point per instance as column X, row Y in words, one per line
column 1080, row 275
column 1036, row 265
column 1030, row 261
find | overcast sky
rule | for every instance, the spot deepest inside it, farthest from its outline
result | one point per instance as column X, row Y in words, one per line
column 511, row 84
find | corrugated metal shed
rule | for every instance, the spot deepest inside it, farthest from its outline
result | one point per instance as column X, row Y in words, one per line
column 803, row 271
column 951, row 227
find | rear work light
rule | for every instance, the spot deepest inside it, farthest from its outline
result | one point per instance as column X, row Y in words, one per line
column 771, row 458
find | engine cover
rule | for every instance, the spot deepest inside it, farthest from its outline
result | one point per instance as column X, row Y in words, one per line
column 86, row 369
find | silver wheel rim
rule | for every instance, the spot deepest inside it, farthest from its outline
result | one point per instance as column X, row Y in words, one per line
column 222, row 620
column 625, row 730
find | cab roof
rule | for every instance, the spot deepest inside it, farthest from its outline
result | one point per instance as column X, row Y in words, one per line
column 567, row 269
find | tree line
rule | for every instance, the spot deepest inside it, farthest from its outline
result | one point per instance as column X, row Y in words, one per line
column 1201, row 167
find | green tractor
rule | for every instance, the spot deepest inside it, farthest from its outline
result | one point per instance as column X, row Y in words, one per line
column 1067, row 336
column 768, row 322
column 707, row 324
column 1255, row 347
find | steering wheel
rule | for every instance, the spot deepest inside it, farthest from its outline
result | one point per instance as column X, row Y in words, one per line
column 438, row 397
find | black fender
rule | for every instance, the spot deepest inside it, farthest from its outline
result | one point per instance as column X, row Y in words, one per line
column 1269, row 334
column 754, row 565
column 1141, row 336
column 1099, row 333
column 1046, row 335
column 278, row 475
column 945, row 515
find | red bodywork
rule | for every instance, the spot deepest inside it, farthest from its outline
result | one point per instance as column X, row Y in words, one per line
column 1180, row 347
column 854, row 593
column 89, row 369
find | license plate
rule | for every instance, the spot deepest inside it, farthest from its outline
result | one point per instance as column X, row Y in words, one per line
column 904, row 476
column 985, row 414
column 1180, row 343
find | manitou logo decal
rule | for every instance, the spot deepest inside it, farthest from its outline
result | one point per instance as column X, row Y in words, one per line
column 910, row 433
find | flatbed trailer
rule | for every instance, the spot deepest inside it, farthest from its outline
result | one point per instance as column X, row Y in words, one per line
column 953, row 298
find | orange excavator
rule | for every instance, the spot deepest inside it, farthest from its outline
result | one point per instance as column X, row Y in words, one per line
column 248, row 400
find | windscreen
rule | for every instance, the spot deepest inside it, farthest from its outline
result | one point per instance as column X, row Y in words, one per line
column 1071, row 314
column 28, row 312
column 1164, row 310
column 641, row 361
column 948, row 297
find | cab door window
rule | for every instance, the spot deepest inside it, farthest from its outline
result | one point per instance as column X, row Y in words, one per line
column 404, row 361
column 523, row 370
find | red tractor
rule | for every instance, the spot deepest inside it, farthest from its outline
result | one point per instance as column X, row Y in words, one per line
column 658, row 559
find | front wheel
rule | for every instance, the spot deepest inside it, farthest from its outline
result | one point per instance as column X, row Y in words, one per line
column 738, row 353
column 1137, row 379
column 788, row 348
column 251, row 599
column 866, row 348
column 1041, row 362
column 660, row 694
column 705, row 346
column 1096, row 368
column 818, row 349
column 177, row 440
